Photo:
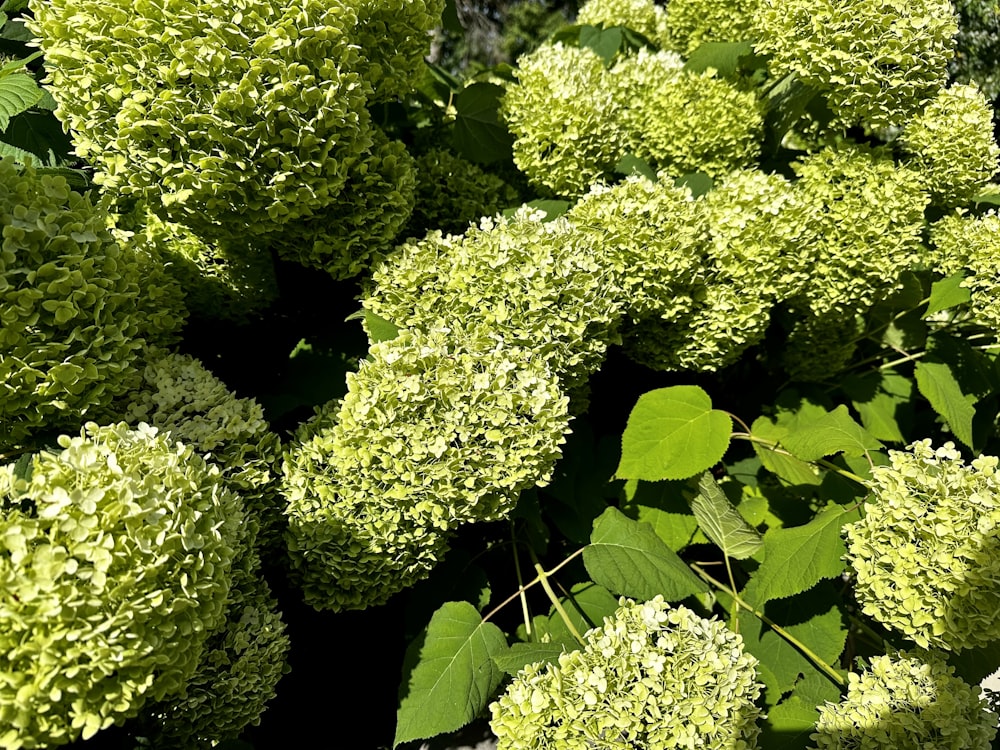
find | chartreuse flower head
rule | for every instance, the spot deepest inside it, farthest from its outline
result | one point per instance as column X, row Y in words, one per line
column 971, row 244
column 691, row 23
column 644, row 16
column 927, row 552
column 654, row 676
column 951, row 144
column 877, row 63
column 115, row 559
column 436, row 430
column 72, row 307
column 906, row 702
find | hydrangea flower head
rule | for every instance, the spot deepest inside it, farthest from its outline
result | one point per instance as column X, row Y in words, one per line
column 652, row 676
column 927, row 552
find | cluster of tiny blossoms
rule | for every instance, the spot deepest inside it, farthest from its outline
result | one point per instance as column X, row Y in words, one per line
column 927, row 552
column 972, row 244
column 906, row 702
column 654, row 676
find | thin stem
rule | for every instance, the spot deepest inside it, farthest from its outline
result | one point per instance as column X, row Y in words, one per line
column 806, row 651
column 529, row 584
column 520, row 584
column 773, row 446
column 734, row 620
column 543, row 578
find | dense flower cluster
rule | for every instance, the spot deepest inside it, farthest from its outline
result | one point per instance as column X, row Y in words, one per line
column 906, row 702
column 951, row 144
column 644, row 16
column 653, row 676
column 247, row 120
column 115, row 561
column 534, row 284
column 72, row 304
column 691, row 23
column 452, row 192
column 436, row 430
column 573, row 119
column 971, row 244
column 237, row 675
column 876, row 63
column 179, row 395
column 927, row 553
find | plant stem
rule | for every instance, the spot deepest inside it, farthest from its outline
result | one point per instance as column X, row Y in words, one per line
column 529, row 584
column 773, row 446
column 520, row 585
column 806, row 651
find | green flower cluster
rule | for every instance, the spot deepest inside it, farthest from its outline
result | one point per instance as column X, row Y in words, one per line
column 452, row 192
column 691, row 23
column 972, row 244
column 906, row 702
column 73, row 307
column 951, row 144
column 179, row 395
column 644, row 16
column 436, row 430
column 573, row 119
column 237, row 674
column 539, row 285
column 242, row 121
column 864, row 220
column 877, row 63
column 653, row 676
column 927, row 552
column 115, row 558
column 216, row 279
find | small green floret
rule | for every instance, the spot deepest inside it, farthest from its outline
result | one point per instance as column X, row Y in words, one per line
column 877, row 63
column 115, row 561
column 906, row 702
column 927, row 552
column 653, row 676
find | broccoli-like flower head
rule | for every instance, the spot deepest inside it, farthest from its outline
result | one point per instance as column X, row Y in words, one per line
column 951, row 144
column 972, row 244
column 927, row 552
column 564, row 116
column 867, row 216
column 878, row 63
column 452, row 192
column 644, row 16
column 906, row 702
column 70, row 315
column 238, row 673
column 114, row 566
column 691, row 23
column 538, row 285
column 435, row 431
column 684, row 122
column 653, row 676
column 235, row 121
column 178, row 394
column 359, row 225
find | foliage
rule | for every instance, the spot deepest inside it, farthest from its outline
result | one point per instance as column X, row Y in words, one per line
column 643, row 16
column 116, row 563
column 977, row 46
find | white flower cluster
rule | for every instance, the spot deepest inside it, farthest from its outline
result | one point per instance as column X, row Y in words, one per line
column 927, row 552
column 652, row 676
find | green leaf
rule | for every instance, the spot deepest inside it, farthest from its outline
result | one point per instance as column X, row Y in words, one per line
column 937, row 383
column 604, row 42
column 789, row 468
column 13, row 6
column 673, row 433
column 664, row 507
column 521, row 655
column 795, row 559
column 698, row 183
column 631, row 164
column 626, row 557
column 480, row 136
column 552, row 208
column 721, row 522
column 722, row 56
column 24, row 466
column 789, row 724
column 12, row 66
column 586, row 605
column 975, row 664
column 834, row 432
column 40, row 137
column 947, row 293
column 378, row 328
column 787, row 103
column 18, row 92
column 882, row 399
column 451, row 676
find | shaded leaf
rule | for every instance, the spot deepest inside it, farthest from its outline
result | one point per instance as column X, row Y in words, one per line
column 480, row 136
column 626, row 557
column 604, row 42
column 834, row 432
column 521, row 655
column 937, row 383
column 721, row 522
column 663, row 506
column 722, row 56
column 789, row 468
column 673, row 433
column 880, row 399
column 41, row 137
column 631, row 164
column 452, row 675
column 789, row 724
column 586, row 605
column 698, row 183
